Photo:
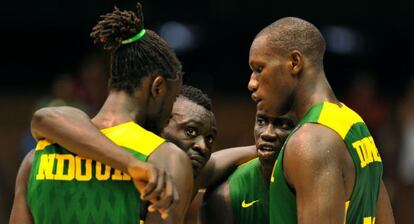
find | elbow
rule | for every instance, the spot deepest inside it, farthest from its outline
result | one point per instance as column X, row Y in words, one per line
column 42, row 117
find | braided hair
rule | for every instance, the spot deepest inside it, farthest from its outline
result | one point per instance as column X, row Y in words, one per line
column 131, row 62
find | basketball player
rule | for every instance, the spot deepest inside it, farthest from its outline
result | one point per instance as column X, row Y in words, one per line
column 244, row 196
column 329, row 170
column 55, row 185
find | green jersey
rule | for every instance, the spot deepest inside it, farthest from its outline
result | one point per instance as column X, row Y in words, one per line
column 66, row 188
column 248, row 194
column 361, row 207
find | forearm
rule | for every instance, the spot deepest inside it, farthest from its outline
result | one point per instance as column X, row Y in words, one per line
column 217, row 205
column 72, row 129
column 384, row 209
column 176, row 163
column 222, row 163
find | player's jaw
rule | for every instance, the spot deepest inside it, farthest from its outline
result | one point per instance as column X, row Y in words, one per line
column 198, row 161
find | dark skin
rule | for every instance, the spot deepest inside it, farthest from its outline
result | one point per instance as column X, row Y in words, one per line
column 317, row 164
column 270, row 133
column 166, row 166
column 191, row 127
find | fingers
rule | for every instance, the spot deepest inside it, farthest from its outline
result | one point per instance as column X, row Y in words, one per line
column 155, row 186
column 168, row 197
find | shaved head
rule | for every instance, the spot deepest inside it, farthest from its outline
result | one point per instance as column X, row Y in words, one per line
column 290, row 33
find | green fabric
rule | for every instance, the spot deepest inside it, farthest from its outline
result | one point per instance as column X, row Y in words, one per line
column 74, row 201
column 362, row 206
column 248, row 193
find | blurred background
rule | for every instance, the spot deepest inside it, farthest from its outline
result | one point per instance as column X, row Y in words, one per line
column 47, row 58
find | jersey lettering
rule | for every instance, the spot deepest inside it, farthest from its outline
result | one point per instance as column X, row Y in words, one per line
column 69, row 167
column 367, row 151
column 369, row 220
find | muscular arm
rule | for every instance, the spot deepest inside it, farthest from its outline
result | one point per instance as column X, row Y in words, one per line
column 20, row 211
column 73, row 129
column 217, row 205
column 312, row 167
column 177, row 164
column 384, row 210
column 222, row 163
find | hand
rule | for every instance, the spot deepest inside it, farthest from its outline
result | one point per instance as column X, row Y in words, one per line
column 155, row 186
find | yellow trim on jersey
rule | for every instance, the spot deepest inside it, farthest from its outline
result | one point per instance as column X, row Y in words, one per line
column 346, row 210
column 133, row 136
column 42, row 144
column 338, row 118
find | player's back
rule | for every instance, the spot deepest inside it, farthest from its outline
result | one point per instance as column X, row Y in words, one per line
column 66, row 188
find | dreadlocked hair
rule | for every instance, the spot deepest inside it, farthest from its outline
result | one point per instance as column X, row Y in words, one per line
column 131, row 62
column 197, row 96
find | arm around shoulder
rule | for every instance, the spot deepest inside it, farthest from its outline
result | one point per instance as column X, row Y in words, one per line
column 222, row 163
column 171, row 159
column 73, row 129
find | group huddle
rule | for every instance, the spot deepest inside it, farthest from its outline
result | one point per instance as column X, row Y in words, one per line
column 148, row 151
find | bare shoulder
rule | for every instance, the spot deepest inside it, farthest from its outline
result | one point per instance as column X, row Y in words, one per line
column 168, row 151
column 27, row 162
column 314, row 142
column 313, row 148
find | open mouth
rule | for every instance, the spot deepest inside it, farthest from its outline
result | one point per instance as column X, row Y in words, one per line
column 266, row 151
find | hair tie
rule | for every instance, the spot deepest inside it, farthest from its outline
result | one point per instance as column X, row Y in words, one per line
column 134, row 38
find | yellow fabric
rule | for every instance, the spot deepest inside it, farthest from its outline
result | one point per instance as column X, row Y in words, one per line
column 42, row 144
column 346, row 210
column 338, row 118
column 133, row 136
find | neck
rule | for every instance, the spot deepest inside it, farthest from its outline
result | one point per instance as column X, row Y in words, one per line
column 314, row 88
column 266, row 174
column 119, row 108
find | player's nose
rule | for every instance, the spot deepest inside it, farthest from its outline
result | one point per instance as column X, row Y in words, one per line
column 253, row 83
column 269, row 133
column 201, row 146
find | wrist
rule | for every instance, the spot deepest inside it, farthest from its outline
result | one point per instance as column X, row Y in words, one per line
column 136, row 168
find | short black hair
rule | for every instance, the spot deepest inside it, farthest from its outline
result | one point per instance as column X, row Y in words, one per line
column 197, row 96
column 131, row 62
column 291, row 33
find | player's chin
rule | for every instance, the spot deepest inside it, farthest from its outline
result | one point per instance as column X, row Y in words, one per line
column 267, row 158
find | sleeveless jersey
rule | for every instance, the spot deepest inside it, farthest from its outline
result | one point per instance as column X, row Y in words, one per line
column 248, row 194
column 66, row 188
column 361, row 208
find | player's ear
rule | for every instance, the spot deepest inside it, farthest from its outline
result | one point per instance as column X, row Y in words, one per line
column 295, row 62
column 158, row 86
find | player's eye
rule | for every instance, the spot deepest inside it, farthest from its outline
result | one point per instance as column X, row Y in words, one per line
column 191, row 132
column 260, row 121
column 287, row 125
column 258, row 70
column 210, row 139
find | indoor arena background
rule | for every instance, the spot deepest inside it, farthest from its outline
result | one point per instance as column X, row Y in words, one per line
column 47, row 58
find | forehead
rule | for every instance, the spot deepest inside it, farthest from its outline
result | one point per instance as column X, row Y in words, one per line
column 261, row 48
column 289, row 115
column 185, row 110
